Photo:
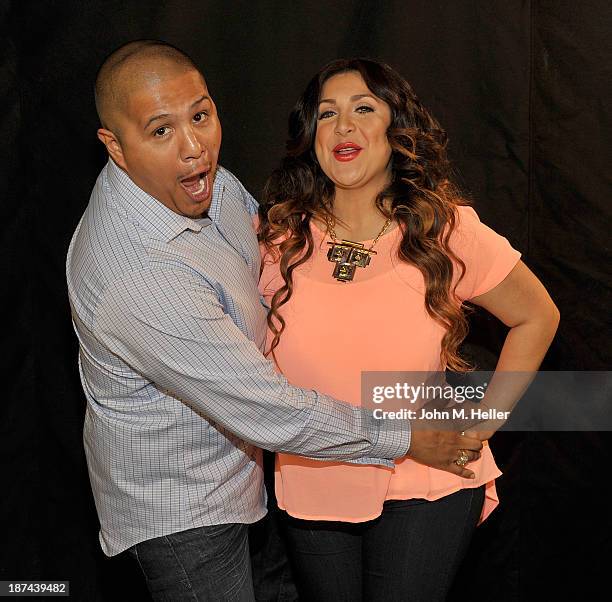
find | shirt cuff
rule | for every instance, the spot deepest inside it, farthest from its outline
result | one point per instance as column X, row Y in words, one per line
column 393, row 440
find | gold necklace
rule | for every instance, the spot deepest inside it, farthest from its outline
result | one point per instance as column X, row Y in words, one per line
column 349, row 255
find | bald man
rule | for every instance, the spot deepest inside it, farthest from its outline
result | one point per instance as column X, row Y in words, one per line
column 162, row 278
column 136, row 88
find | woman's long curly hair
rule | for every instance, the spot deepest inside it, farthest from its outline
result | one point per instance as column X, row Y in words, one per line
column 420, row 196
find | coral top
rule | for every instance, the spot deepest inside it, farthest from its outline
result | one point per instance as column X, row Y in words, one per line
column 336, row 330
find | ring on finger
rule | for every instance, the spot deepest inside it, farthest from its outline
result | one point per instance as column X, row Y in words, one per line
column 462, row 459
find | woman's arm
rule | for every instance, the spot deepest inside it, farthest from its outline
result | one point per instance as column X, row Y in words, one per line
column 522, row 303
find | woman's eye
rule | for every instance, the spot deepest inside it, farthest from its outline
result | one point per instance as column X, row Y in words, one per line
column 325, row 114
column 160, row 131
column 364, row 109
column 201, row 116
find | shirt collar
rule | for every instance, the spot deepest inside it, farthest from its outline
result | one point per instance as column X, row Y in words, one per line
column 153, row 215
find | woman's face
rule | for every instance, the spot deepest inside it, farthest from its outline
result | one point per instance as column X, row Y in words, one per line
column 351, row 139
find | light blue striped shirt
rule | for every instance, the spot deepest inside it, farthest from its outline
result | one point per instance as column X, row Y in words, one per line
column 179, row 397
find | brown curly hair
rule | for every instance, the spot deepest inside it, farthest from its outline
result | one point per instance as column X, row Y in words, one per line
column 421, row 196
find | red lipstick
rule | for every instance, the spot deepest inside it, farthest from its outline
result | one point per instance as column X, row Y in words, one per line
column 346, row 151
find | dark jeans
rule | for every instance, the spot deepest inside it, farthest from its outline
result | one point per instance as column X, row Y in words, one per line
column 272, row 578
column 410, row 553
column 206, row 563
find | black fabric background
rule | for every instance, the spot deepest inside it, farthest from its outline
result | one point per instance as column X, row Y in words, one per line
column 523, row 90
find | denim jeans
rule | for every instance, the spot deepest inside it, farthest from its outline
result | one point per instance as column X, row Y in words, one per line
column 410, row 553
column 272, row 577
column 206, row 563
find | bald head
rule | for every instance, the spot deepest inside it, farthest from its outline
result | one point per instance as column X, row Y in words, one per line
column 130, row 68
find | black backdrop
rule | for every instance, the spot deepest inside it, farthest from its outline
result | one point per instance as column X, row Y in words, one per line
column 523, row 89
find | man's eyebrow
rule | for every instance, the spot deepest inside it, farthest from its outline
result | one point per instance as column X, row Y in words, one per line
column 164, row 115
column 331, row 101
column 155, row 118
column 197, row 102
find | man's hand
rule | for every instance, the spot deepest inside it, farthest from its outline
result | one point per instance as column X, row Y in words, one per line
column 440, row 449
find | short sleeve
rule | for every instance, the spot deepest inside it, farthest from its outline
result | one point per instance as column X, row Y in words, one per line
column 487, row 255
column 270, row 279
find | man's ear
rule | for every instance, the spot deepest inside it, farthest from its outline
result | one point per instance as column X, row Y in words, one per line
column 113, row 146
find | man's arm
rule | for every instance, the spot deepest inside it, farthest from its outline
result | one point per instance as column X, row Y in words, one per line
column 170, row 327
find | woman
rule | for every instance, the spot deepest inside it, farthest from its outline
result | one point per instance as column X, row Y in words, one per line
column 367, row 163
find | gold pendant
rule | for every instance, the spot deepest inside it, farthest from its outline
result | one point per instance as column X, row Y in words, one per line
column 348, row 255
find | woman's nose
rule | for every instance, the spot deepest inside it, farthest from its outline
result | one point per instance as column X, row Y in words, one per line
column 344, row 125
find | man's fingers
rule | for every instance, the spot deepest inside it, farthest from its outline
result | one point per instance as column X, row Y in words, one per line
column 462, row 471
column 458, row 463
column 442, row 450
column 472, row 455
column 466, row 474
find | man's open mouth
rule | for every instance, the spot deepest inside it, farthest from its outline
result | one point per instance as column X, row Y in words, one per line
column 197, row 186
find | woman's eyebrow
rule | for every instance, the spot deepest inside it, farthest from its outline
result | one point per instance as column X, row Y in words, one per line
column 332, row 101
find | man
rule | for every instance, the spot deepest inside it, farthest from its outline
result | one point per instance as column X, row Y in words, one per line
column 162, row 277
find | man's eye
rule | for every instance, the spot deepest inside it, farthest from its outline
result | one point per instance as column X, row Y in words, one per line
column 160, row 131
column 201, row 116
column 325, row 114
column 364, row 109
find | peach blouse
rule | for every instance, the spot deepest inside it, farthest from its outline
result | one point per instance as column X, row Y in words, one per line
column 377, row 322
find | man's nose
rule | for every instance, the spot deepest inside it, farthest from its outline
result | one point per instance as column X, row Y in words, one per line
column 191, row 147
